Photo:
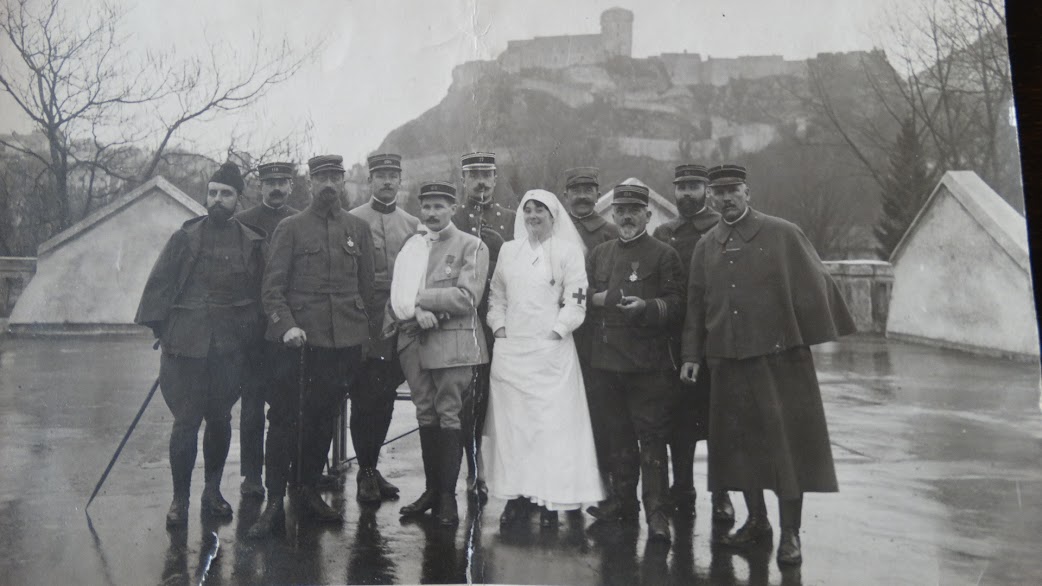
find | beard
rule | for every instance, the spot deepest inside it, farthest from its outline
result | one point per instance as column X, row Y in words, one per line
column 219, row 213
column 327, row 198
column 688, row 206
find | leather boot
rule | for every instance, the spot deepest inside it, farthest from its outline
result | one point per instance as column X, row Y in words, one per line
column 791, row 512
column 429, row 453
column 368, row 487
column 388, row 491
column 682, row 494
column 213, row 502
column 177, row 516
column 756, row 529
column 450, row 459
column 252, row 488
column 271, row 520
column 655, row 479
column 314, row 507
column 723, row 510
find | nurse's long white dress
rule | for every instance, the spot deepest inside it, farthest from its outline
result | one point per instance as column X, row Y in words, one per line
column 538, row 440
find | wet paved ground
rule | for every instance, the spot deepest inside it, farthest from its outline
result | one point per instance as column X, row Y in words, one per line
column 939, row 456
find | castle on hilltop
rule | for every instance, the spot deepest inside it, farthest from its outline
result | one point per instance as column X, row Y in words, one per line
column 614, row 40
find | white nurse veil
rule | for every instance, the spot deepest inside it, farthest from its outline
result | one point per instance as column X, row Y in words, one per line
column 564, row 229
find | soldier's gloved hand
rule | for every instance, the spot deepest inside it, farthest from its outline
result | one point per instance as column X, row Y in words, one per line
column 492, row 240
column 294, row 338
column 426, row 319
column 631, row 307
column 689, row 372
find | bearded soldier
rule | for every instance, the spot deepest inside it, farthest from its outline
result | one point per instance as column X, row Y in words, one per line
column 691, row 410
column 202, row 300
column 319, row 300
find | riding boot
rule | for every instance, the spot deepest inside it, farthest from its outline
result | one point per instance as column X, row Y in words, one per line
column 682, row 493
column 451, row 458
column 429, row 448
column 216, row 442
column 655, row 476
column 182, row 461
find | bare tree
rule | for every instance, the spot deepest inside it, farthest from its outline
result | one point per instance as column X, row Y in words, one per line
column 951, row 72
column 109, row 119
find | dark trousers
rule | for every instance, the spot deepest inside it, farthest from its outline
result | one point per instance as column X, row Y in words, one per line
column 372, row 405
column 632, row 410
column 690, row 415
column 318, row 383
column 197, row 390
column 267, row 366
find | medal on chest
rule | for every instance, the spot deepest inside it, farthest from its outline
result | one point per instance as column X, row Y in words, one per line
column 633, row 276
column 350, row 242
column 448, row 264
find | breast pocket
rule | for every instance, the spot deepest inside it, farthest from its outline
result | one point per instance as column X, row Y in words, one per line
column 305, row 258
column 349, row 254
column 447, row 275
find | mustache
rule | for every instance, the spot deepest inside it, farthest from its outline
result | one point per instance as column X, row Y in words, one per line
column 276, row 193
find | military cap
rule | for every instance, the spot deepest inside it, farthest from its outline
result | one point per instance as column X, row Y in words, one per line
column 624, row 193
column 326, row 163
column 437, row 188
column 275, row 171
column 385, row 161
column 690, row 173
column 581, row 176
column 478, row 161
column 229, row 174
column 726, row 175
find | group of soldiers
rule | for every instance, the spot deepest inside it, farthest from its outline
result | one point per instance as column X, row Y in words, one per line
column 300, row 310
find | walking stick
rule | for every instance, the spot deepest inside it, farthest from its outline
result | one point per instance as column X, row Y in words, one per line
column 126, row 436
column 300, row 417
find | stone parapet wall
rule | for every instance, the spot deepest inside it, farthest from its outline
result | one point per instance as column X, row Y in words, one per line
column 866, row 287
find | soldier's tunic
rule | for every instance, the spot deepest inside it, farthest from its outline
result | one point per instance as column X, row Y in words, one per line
column 631, row 362
column 264, row 364
column 691, row 410
column 438, row 363
column 319, row 278
column 202, row 299
column 470, row 218
column 375, row 389
column 758, row 297
column 594, row 230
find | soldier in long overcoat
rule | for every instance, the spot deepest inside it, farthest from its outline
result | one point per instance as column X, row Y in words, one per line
column 758, row 298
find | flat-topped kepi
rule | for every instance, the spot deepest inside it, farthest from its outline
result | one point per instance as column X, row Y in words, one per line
column 478, row 161
column 726, row 175
column 323, row 163
column 437, row 188
column 625, row 193
column 388, row 161
column 276, row 170
column 684, row 173
column 581, row 176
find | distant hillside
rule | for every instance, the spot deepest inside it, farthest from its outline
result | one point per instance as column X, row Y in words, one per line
column 628, row 116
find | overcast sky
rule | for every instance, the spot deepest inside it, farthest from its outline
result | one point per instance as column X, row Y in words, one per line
column 384, row 62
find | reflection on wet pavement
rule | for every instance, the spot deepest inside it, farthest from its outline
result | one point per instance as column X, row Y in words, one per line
column 938, row 455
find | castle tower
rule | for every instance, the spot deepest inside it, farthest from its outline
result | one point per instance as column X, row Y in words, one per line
column 617, row 32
